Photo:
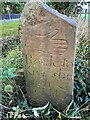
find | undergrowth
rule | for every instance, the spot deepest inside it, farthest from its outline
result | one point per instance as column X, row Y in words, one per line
column 17, row 106
column 13, row 58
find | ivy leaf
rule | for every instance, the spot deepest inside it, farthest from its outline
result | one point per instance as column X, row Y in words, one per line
column 4, row 74
column 11, row 73
column 11, row 70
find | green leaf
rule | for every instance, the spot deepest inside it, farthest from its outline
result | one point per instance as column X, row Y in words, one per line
column 12, row 75
column 3, row 77
column 4, row 74
column 10, row 72
column 19, row 116
column 25, row 105
column 8, row 88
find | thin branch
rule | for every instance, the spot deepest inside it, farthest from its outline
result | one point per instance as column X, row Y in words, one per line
column 4, row 106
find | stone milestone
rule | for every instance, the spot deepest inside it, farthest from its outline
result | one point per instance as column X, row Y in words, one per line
column 48, row 40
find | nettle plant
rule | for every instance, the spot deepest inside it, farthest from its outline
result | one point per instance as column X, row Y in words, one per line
column 80, row 73
column 7, row 78
column 81, row 69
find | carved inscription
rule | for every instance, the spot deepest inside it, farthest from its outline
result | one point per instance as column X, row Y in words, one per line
column 64, row 63
column 59, row 45
column 59, row 74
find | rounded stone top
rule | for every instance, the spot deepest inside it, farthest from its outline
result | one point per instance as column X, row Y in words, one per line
column 55, row 12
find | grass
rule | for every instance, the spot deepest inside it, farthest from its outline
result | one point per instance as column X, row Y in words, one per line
column 9, row 29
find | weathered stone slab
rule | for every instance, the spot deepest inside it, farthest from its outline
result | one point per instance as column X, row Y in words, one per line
column 48, row 40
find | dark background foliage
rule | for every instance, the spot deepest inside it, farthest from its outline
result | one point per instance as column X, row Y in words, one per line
column 15, row 7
